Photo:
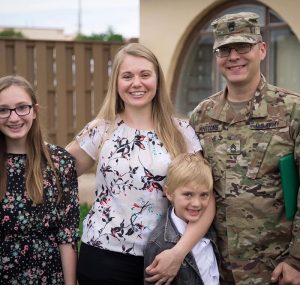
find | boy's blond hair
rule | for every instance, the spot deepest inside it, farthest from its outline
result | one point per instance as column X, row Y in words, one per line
column 187, row 168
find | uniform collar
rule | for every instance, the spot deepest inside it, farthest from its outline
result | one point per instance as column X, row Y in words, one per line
column 256, row 108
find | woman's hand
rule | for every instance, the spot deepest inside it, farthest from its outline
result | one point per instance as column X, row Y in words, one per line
column 164, row 267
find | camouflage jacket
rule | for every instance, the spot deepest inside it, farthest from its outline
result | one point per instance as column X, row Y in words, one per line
column 244, row 150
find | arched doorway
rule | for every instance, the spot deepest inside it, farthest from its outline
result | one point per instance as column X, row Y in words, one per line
column 196, row 76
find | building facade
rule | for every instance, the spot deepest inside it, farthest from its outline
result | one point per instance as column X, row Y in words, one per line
column 41, row 33
column 180, row 34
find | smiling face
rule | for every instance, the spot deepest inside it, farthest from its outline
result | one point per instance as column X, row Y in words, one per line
column 15, row 128
column 189, row 201
column 137, row 83
column 242, row 69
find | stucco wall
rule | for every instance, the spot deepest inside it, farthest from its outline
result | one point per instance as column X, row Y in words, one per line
column 165, row 24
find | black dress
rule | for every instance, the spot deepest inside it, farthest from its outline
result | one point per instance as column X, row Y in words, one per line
column 30, row 234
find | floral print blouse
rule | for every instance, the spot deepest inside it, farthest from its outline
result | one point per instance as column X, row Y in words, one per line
column 30, row 234
column 131, row 170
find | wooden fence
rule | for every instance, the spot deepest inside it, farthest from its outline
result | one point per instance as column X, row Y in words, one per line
column 70, row 79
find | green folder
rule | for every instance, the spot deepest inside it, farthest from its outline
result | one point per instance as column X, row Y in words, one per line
column 290, row 184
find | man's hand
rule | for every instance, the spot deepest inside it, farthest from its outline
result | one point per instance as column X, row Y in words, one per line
column 285, row 274
column 164, row 267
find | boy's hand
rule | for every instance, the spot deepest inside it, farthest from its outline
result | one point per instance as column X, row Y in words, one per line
column 285, row 274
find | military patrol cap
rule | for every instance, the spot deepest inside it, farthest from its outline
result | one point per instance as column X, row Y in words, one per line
column 241, row 27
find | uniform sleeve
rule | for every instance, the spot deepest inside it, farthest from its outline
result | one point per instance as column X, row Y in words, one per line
column 189, row 135
column 68, row 205
column 294, row 251
column 90, row 138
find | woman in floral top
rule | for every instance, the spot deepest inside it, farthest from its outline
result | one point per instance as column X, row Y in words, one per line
column 39, row 211
column 133, row 139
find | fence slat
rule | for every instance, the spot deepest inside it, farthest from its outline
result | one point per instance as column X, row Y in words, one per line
column 2, row 59
column 99, row 77
column 9, row 62
column 21, row 59
column 41, row 81
column 61, row 94
column 80, row 86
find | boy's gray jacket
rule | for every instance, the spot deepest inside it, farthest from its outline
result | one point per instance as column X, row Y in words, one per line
column 165, row 236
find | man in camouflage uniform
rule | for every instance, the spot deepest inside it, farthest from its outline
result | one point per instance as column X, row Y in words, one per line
column 244, row 130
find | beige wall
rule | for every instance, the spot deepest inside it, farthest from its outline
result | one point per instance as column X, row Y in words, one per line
column 41, row 33
column 165, row 24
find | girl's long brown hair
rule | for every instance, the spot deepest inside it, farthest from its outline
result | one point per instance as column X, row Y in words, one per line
column 37, row 152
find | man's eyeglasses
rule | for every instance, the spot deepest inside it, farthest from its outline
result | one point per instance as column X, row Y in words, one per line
column 240, row 48
column 21, row 110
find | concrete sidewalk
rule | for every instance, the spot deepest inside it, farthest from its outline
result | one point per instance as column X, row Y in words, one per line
column 86, row 187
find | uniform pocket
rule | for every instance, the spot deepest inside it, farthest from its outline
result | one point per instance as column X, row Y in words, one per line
column 216, row 161
column 258, row 145
column 268, row 143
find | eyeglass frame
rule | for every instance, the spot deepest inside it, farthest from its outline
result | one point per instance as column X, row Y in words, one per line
column 15, row 110
column 231, row 47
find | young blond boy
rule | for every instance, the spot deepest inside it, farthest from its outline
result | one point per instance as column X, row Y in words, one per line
column 189, row 187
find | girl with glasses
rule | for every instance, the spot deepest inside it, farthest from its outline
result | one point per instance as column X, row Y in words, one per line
column 39, row 209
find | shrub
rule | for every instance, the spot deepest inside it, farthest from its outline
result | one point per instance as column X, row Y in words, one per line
column 11, row 33
column 109, row 36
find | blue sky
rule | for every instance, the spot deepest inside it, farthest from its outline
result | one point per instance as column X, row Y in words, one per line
column 96, row 15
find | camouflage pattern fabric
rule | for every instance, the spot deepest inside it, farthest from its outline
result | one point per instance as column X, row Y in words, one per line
column 236, row 28
column 244, row 150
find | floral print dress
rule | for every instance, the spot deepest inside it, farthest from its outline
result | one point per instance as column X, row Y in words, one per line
column 30, row 234
column 129, row 183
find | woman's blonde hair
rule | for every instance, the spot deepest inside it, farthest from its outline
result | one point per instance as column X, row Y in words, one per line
column 162, row 107
column 187, row 169
column 37, row 154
